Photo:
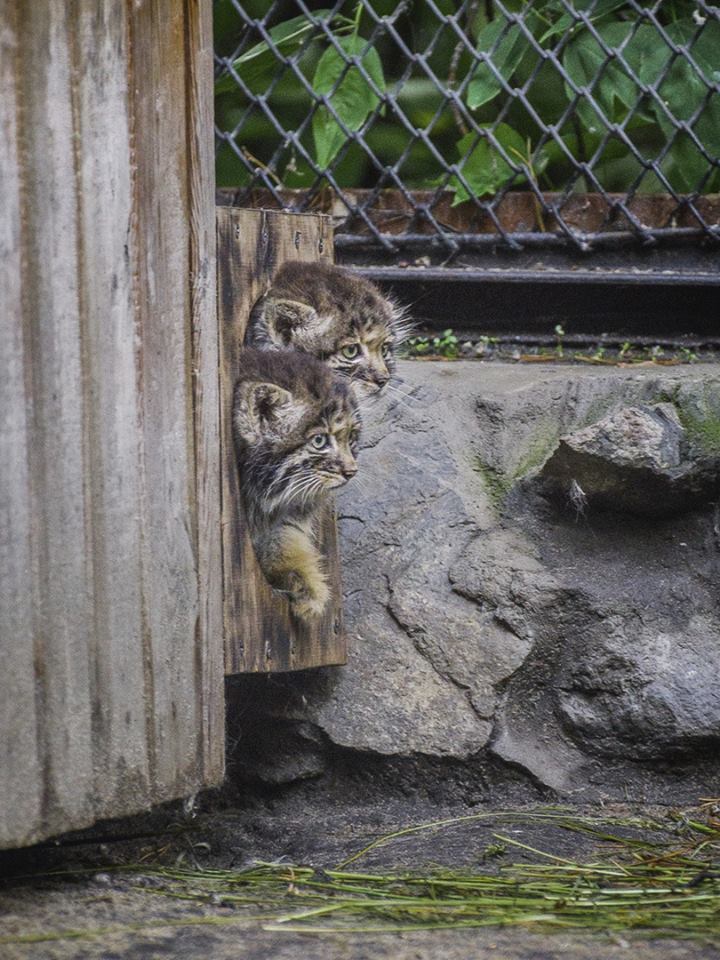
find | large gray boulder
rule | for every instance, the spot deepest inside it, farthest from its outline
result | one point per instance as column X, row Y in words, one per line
column 638, row 459
column 645, row 696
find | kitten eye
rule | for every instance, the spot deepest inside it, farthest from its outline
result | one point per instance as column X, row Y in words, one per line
column 319, row 441
column 386, row 348
column 351, row 351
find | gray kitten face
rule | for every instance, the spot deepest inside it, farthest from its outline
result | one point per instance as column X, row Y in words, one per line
column 296, row 430
column 339, row 318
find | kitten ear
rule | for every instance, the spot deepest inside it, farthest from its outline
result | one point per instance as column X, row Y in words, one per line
column 260, row 408
column 285, row 317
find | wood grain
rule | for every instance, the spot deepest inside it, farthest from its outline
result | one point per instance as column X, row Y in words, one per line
column 61, row 589
column 206, row 380
column 261, row 635
column 21, row 773
column 111, row 697
column 171, row 607
column 112, row 414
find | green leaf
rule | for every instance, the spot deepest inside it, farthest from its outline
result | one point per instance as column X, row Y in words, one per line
column 616, row 91
column 257, row 64
column 505, row 45
column 568, row 23
column 684, row 165
column 647, row 56
column 706, row 48
column 483, row 167
column 353, row 100
column 584, row 59
column 229, row 169
column 547, row 93
column 684, row 91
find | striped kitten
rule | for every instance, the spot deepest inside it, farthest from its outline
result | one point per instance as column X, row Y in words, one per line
column 334, row 315
column 296, row 428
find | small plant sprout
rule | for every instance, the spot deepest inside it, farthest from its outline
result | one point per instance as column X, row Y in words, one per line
column 418, row 346
column 446, row 345
column 450, row 347
column 494, row 850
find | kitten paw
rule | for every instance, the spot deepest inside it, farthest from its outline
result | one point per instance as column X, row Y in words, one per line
column 308, row 600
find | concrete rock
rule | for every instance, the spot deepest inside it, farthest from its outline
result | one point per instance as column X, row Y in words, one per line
column 645, row 694
column 638, row 459
column 483, row 621
column 423, row 662
column 282, row 753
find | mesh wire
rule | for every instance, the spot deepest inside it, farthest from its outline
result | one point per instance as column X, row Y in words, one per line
column 472, row 124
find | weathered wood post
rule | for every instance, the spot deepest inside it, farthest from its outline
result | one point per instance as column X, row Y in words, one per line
column 111, row 694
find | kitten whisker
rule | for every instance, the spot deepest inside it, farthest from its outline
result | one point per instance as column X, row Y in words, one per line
column 400, row 400
column 288, row 493
column 403, row 329
column 359, row 483
column 311, row 490
column 396, row 386
column 310, row 485
column 402, row 393
column 276, row 481
column 301, row 492
column 297, row 486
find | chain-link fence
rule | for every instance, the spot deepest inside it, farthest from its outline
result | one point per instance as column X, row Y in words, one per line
column 580, row 123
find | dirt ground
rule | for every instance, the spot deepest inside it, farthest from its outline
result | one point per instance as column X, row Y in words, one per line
column 100, row 913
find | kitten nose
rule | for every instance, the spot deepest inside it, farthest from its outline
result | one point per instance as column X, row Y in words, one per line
column 349, row 470
column 381, row 379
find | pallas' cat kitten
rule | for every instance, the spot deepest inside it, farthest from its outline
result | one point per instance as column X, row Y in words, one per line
column 333, row 315
column 296, row 428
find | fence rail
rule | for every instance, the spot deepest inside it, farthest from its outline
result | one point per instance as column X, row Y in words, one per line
column 581, row 124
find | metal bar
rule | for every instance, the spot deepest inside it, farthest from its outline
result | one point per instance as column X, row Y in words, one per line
column 623, row 306
column 480, row 240
column 497, row 275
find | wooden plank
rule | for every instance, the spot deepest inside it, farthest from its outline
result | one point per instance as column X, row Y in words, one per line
column 120, row 741
column 206, row 385
column 61, row 588
column 260, row 633
column 21, row 784
column 171, row 599
column 111, row 696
